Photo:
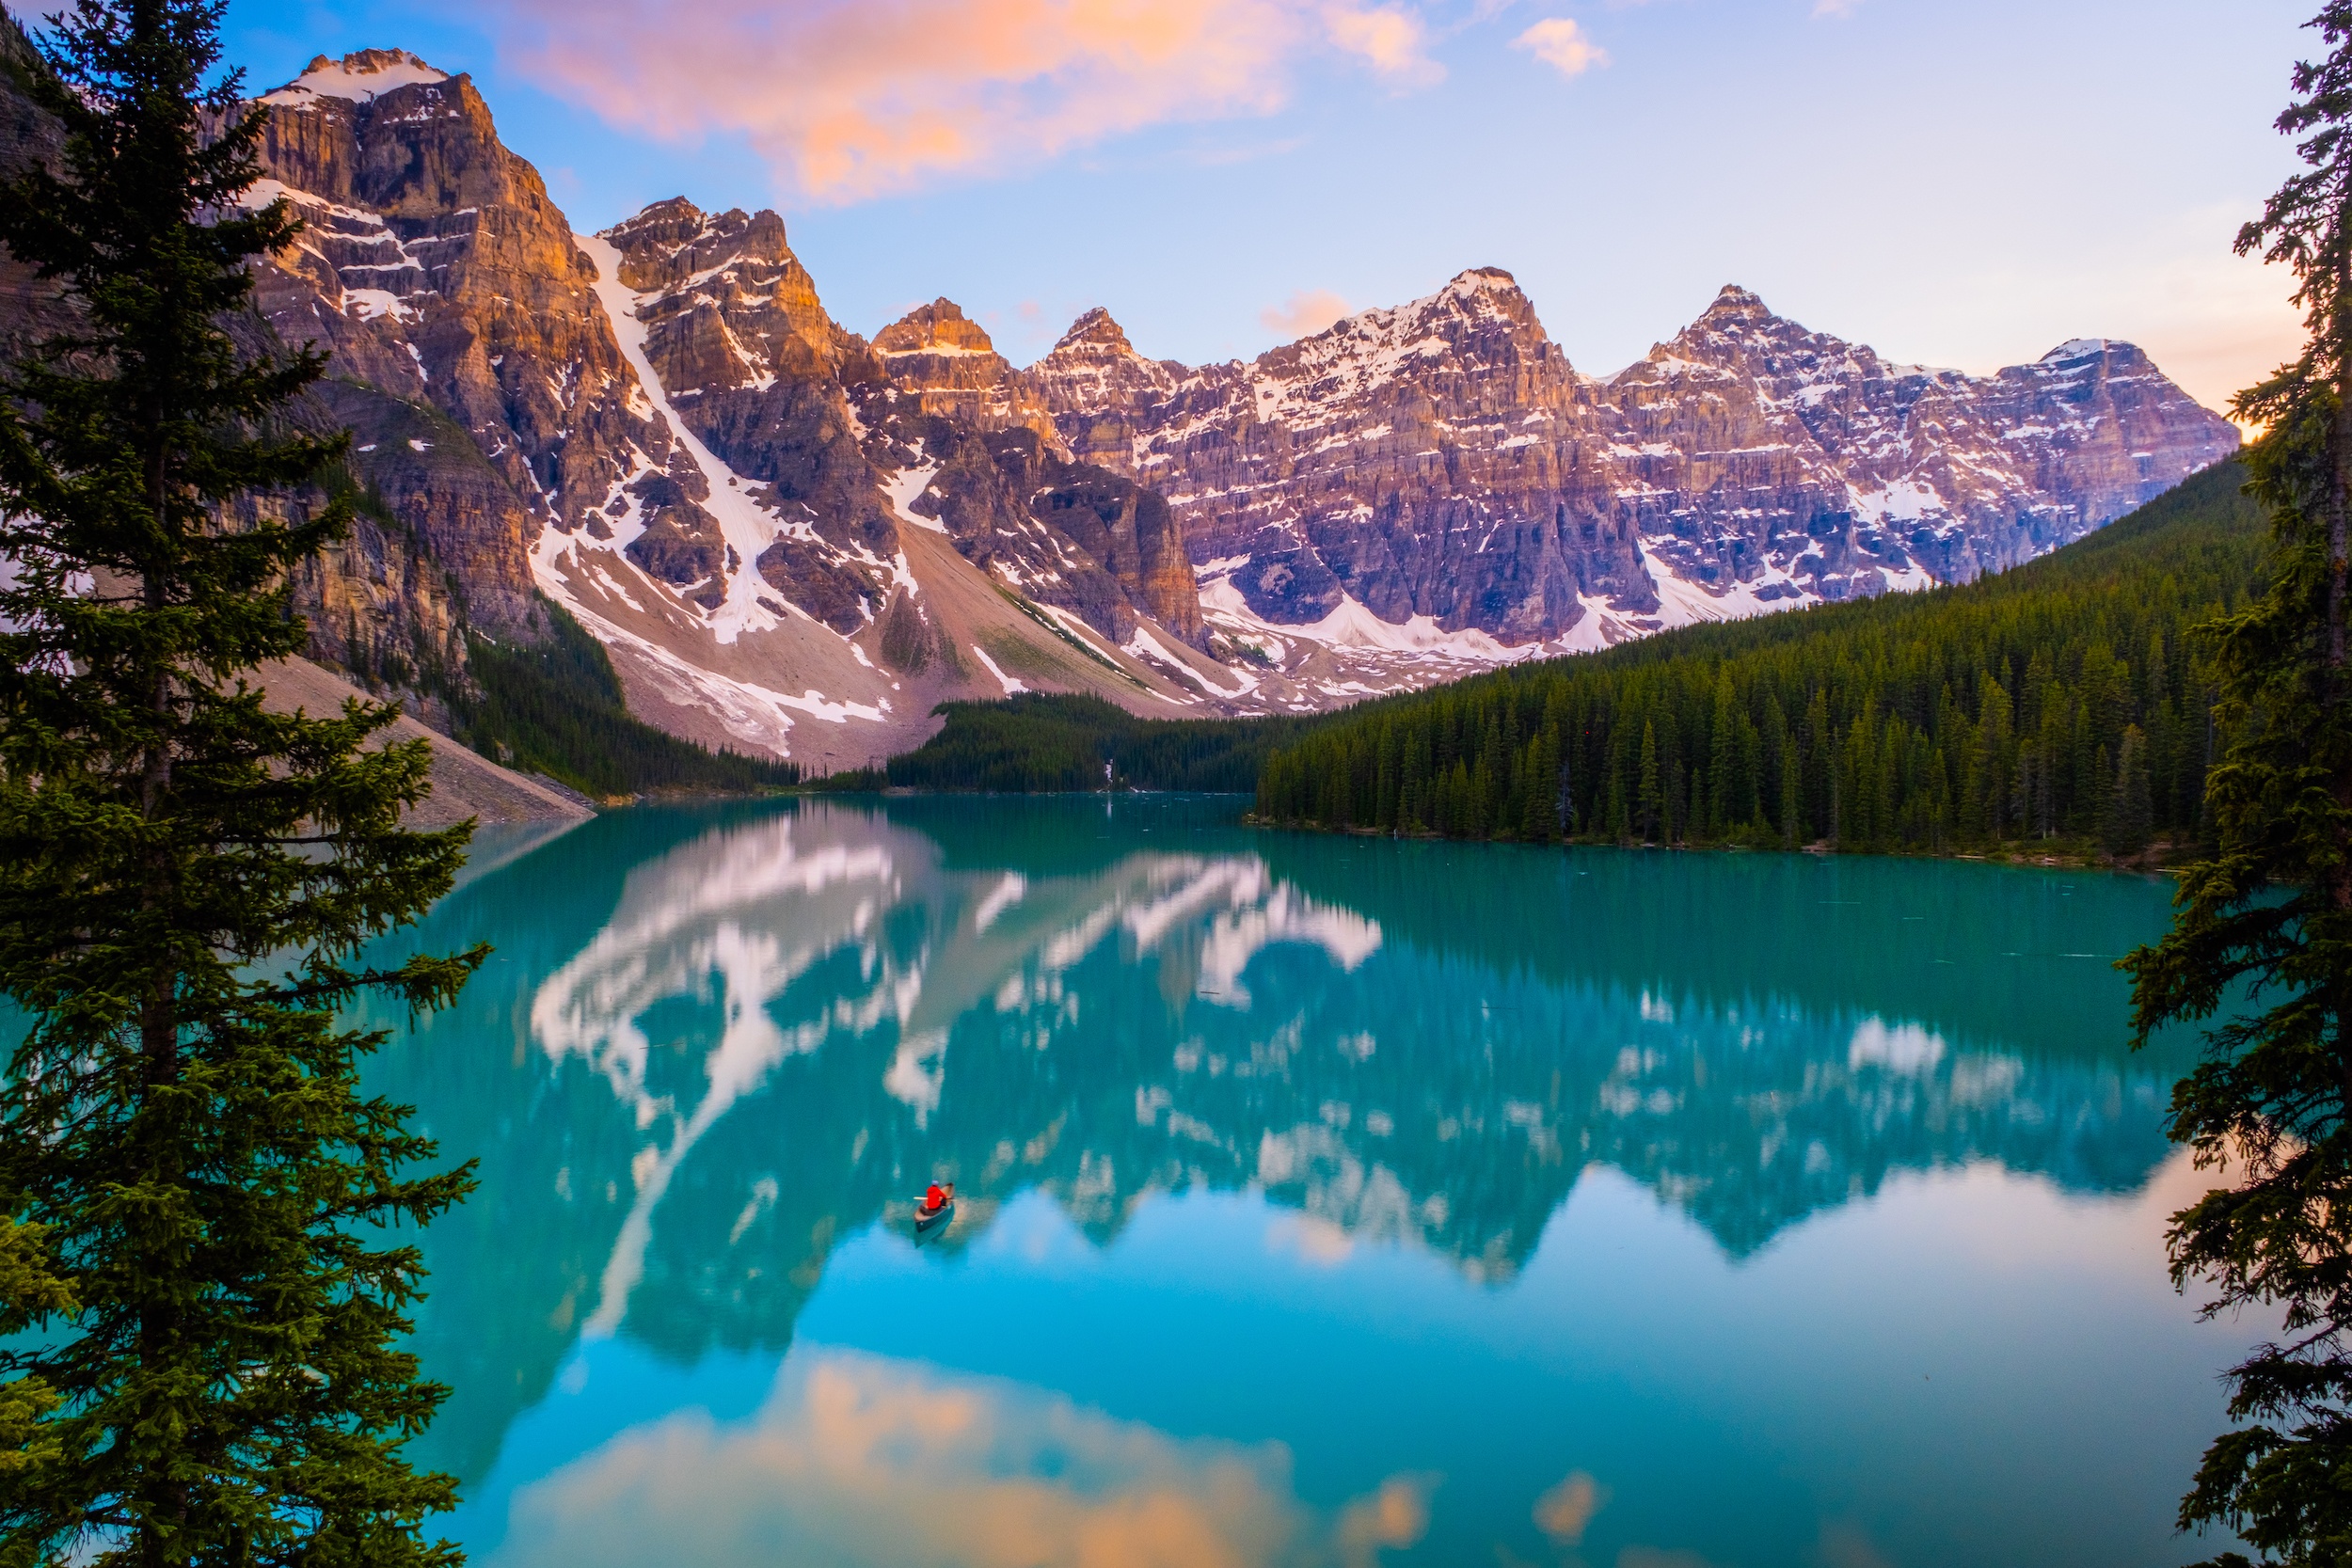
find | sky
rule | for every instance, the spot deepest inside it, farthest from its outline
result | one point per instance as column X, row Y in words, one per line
column 1962, row 182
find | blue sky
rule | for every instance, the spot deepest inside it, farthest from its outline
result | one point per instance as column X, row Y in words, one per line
column 1962, row 183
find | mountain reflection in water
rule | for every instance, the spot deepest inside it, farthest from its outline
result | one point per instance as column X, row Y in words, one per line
column 716, row 1046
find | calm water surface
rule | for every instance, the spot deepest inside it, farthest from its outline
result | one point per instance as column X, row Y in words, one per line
column 1320, row 1201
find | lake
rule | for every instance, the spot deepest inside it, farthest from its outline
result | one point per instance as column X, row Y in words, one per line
column 1319, row 1201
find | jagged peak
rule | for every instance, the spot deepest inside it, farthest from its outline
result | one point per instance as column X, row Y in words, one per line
column 939, row 328
column 1475, row 288
column 1736, row 303
column 2076, row 349
column 1095, row 330
column 673, row 243
column 1477, row 292
column 1737, row 316
column 673, row 209
column 678, row 222
column 357, row 78
column 1484, row 280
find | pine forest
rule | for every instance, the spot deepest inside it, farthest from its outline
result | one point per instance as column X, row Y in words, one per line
column 2065, row 703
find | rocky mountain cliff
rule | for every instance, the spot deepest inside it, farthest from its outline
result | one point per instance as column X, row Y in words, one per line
column 793, row 539
column 1443, row 466
column 661, row 430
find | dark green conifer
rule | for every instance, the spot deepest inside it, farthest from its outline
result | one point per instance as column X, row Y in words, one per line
column 1791, row 794
column 1722, row 760
column 191, row 1178
column 1991, row 786
column 2265, row 924
column 1649, row 797
column 2132, row 817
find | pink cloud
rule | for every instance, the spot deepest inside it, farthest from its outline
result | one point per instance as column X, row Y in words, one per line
column 1561, row 44
column 850, row 99
column 1389, row 39
column 1306, row 313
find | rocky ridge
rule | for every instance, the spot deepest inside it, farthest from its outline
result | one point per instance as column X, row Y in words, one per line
column 661, row 430
column 1441, row 467
column 948, row 362
column 846, row 445
column 1099, row 389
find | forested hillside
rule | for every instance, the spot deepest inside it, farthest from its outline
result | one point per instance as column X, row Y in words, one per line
column 557, row 709
column 2063, row 701
column 1041, row 744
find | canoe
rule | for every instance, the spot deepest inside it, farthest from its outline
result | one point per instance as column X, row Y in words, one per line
column 925, row 1218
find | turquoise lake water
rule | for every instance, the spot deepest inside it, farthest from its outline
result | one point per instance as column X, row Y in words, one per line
column 1320, row 1201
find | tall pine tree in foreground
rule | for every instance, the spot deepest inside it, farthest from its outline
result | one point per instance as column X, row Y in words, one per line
column 191, row 1182
column 2269, row 915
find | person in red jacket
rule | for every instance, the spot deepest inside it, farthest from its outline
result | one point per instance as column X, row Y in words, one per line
column 936, row 1197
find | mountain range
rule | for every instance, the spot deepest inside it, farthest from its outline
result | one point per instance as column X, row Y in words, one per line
column 796, row 541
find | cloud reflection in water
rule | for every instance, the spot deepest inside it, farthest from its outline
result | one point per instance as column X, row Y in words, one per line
column 859, row 1460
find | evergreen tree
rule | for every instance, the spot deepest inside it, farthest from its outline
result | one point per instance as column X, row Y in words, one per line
column 1650, row 795
column 190, row 1178
column 1722, row 810
column 1791, row 800
column 2265, row 924
column 2132, row 815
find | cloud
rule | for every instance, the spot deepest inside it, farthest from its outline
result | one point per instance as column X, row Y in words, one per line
column 1306, row 313
column 1396, row 1516
column 858, row 1460
column 851, row 99
column 1314, row 1240
column 1564, row 1511
column 1561, row 44
column 1389, row 40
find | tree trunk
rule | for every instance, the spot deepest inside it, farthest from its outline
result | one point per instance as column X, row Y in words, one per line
column 160, row 1325
column 2339, row 496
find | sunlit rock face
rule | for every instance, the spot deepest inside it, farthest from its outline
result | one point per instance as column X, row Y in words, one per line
column 845, row 443
column 1443, row 459
column 1754, row 451
column 661, row 428
column 749, row 361
column 1099, row 389
column 946, row 359
column 1425, row 462
column 437, row 270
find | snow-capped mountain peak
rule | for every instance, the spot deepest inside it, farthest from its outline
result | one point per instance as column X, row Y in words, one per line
column 357, row 78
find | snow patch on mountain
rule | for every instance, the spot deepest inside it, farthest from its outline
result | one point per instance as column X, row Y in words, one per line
column 1011, row 685
column 358, row 78
column 1684, row 603
column 1362, row 352
column 747, row 529
column 378, row 273
column 905, row 486
column 759, row 716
